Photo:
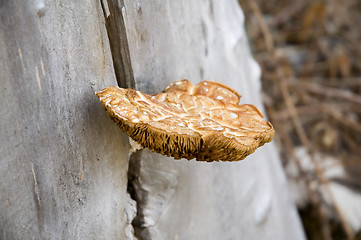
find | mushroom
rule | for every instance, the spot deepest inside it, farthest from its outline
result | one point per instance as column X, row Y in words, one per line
column 203, row 121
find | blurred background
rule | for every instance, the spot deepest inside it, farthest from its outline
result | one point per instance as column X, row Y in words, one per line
column 310, row 55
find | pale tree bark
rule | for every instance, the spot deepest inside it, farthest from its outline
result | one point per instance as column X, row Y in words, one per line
column 64, row 164
column 63, row 167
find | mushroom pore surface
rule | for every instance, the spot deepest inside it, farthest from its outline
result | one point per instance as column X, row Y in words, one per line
column 203, row 121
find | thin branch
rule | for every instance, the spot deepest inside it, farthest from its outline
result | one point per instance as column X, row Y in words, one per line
column 332, row 92
column 317, row 108
column 262, row 24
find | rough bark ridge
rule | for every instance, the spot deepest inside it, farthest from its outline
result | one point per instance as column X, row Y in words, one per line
column 118, row 41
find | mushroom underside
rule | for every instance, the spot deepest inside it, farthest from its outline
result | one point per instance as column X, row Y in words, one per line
column 176, row 135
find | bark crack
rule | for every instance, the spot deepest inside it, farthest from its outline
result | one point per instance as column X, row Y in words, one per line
column 114, row 21
column 133, row 173
column 113, row 11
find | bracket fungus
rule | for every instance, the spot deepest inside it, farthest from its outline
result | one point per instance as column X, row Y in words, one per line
column 203, row 121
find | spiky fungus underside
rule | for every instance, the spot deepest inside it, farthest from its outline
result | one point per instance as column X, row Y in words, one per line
column 204, row 121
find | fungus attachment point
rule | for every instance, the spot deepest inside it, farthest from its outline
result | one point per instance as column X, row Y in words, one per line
column 203, row 121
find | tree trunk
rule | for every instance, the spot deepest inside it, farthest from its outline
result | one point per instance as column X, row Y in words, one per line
column 64, row 163
column 63, row 166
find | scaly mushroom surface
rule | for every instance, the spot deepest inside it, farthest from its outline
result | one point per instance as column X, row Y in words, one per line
column 203, row 121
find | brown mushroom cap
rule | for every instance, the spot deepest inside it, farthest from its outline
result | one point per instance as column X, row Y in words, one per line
column 204, row 121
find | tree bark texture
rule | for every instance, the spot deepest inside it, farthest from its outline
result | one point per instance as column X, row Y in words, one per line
column 63, row 168
column 64, row 163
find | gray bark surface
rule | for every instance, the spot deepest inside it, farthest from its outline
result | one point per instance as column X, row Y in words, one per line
column 64, row 164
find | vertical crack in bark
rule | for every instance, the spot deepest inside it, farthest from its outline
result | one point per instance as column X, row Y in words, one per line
column 152, row 188
column 133, row 173
column 149, row 187
column 118, row 41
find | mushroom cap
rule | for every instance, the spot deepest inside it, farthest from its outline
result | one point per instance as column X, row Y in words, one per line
column 203, row 121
